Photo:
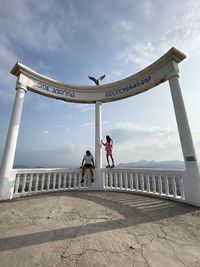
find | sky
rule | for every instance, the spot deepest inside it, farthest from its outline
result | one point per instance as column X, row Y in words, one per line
column 67, row 40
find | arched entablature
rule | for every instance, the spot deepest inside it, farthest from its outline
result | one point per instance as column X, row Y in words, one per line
column 140, row 82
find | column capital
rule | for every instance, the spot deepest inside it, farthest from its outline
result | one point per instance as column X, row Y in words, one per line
column 22, row 82
column 21, row 86
column 173, row 73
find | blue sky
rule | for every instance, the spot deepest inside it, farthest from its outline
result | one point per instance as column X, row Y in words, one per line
column 68, row 40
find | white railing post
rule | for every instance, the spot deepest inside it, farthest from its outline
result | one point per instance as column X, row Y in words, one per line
column 154, row 183
column 42, row 182
column 24, row 183
column 142, row 181
column 59, row 181
column 131, row 181
column 17, row 183
column 160, row 184
column 148, row 183
column 166, row 185
column 136, row 182
column 192, row 181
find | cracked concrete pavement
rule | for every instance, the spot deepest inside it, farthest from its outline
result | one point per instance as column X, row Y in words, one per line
column 98, row 229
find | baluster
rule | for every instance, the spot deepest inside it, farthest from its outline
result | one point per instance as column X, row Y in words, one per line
column 167, row 185
column 17, row 184
column 42, row 183
column 160, row 184
column 36, row 182
column 120, row 180
column 148, row 182
column 70, row 180
column 75, row 180
column 115, row 180
column 136, row 182
column 48, row 181
column 174, row 187
column 181, row 187
column 126, row 180
column 154, row 184
column 131, row 181
column 142, row 182
column 54, row 181
column 65, row 180
column 106, row 179
column 59, row 181
column 111, row 180
column 24, row 182
column 30, row 183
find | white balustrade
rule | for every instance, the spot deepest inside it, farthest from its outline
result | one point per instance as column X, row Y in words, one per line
column 33, row 181
column 155, row 182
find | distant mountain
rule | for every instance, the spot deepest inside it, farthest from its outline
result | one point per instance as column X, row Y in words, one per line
column 171, row 164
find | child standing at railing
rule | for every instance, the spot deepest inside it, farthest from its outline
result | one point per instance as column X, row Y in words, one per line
column 108, row 148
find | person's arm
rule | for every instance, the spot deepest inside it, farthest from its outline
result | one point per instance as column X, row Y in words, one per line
column 103, row 143
column 82, row 163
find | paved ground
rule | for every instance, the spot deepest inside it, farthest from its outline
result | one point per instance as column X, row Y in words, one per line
column 98, row 229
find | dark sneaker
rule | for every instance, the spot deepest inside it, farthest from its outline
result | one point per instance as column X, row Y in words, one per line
column 112, row 166
column 108, row 166
column 82, row 181
column 92, row 180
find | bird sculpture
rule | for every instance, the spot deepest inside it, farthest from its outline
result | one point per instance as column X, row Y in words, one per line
column 97, row 80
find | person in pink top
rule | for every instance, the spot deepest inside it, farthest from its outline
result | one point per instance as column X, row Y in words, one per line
column 108, row 148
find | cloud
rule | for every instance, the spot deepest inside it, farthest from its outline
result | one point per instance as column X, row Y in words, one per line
column 88, row 125
column 60, row 156
column 42, row 27
column 182, row 32
column 147, row 8
column 7, row 81
column 46, row 132
column 134, row 142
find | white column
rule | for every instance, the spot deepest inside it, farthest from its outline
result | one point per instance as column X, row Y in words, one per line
column 192, row 180
column 98, row 136
column 6, row 179
column 98, row 175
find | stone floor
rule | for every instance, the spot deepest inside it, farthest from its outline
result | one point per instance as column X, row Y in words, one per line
column 98, row 229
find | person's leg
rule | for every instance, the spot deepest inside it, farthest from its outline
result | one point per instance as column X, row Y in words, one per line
column 91, row 170
column 107, row 161
column 92, row 173
column 83, row 173
column 113, row 165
